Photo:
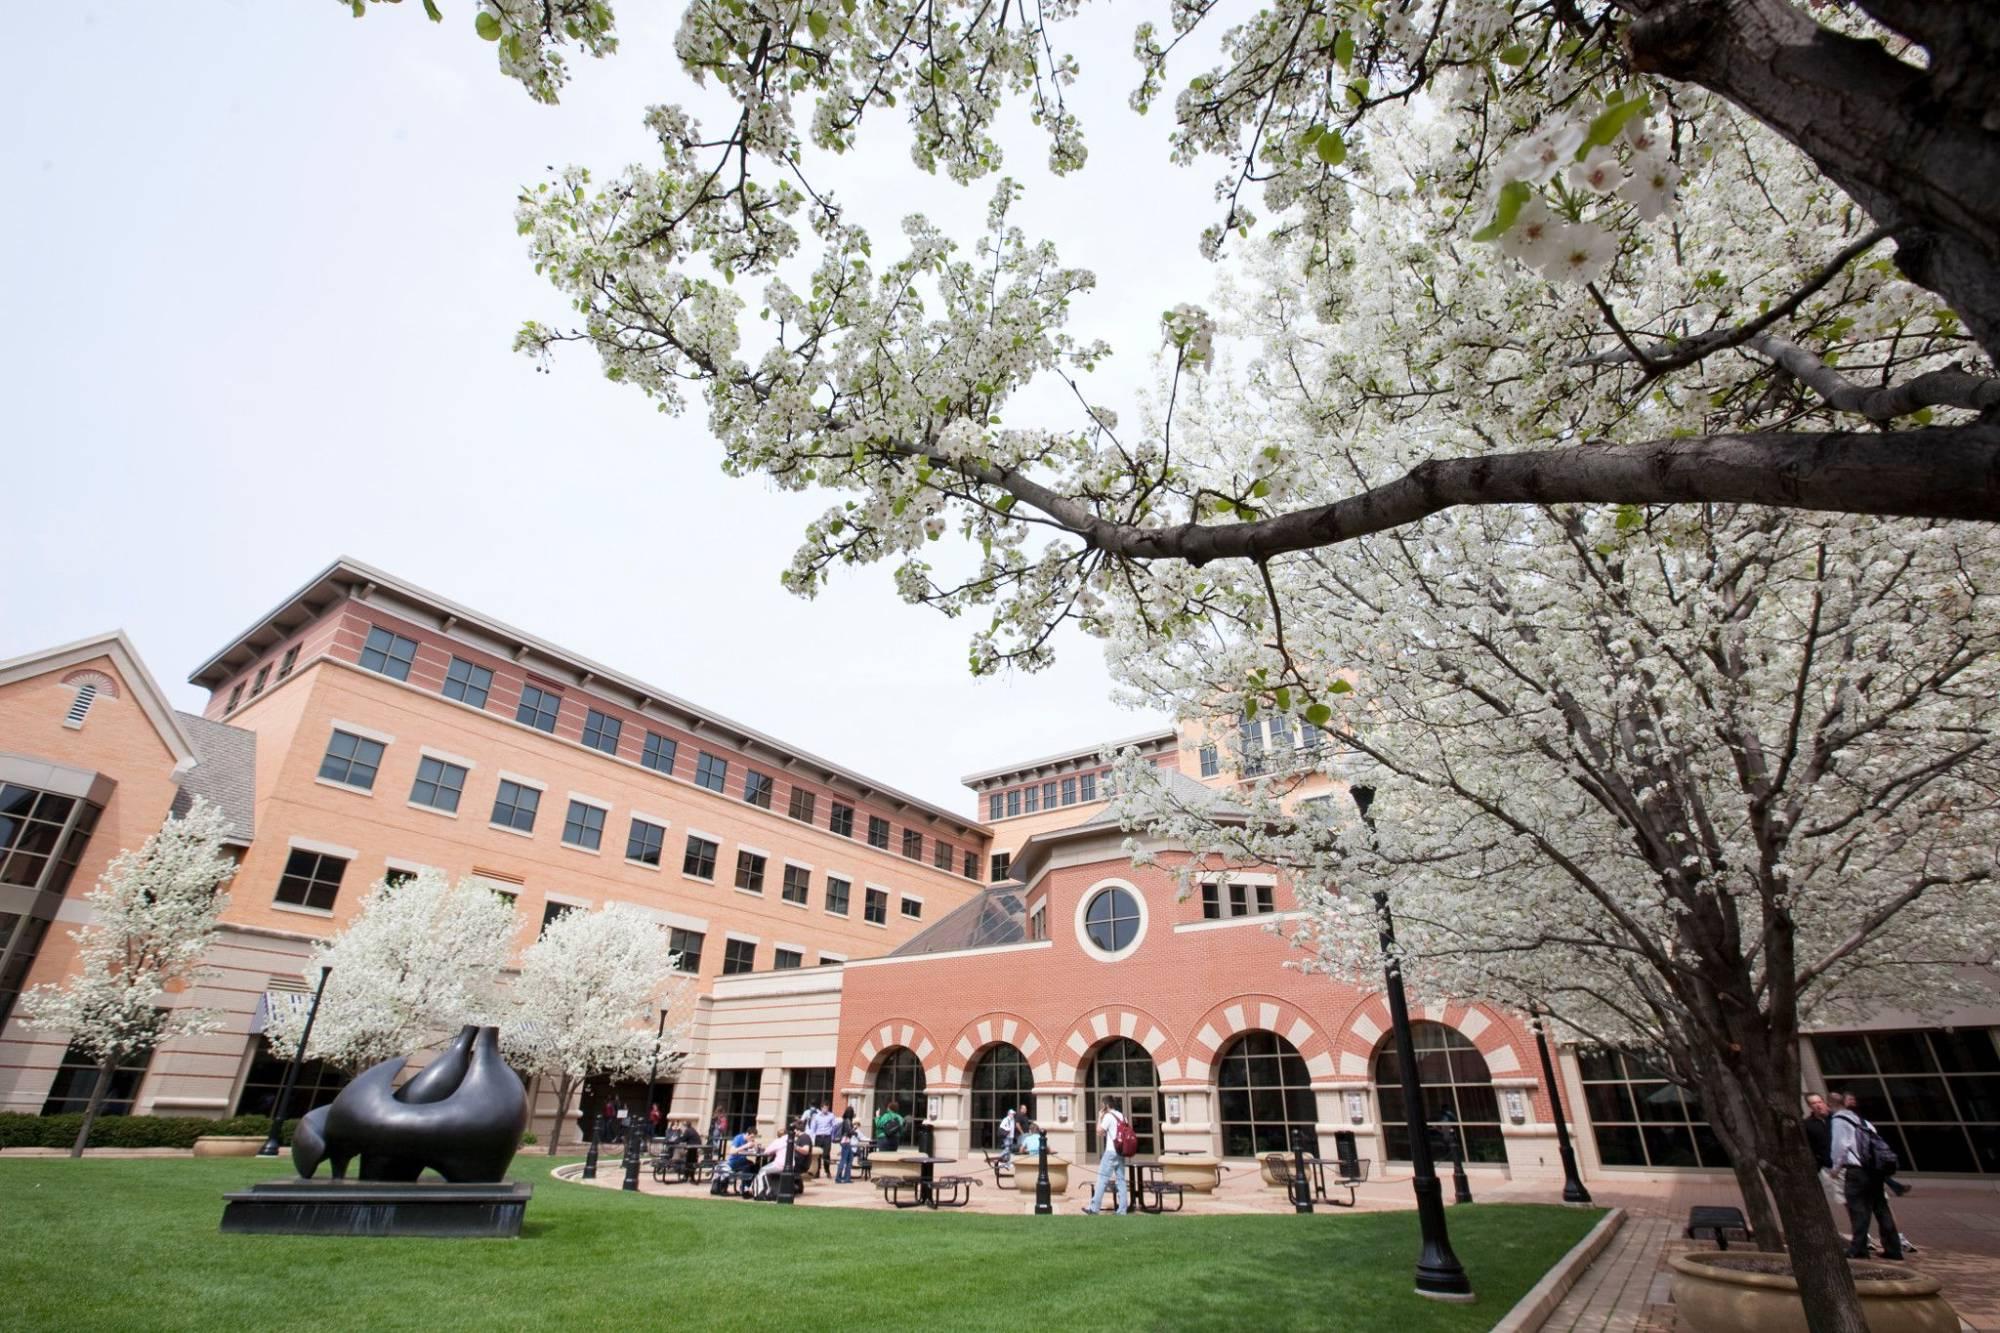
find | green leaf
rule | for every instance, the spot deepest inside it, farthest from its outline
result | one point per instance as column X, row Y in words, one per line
column 1343, row 49
column 1513, row 196
column 820, row 25
column 1339, row 687
column 487, row 26
column 1629, row 517
column 1261, row 489
column 1605, row 126
column 1004, row 503
column 1517, row 54
column 1319, row 714
column 436, row 14
column 1922, row 416
column 1332, row 149
column 1250, row 710
column 1357, row 92
column 1284, row 699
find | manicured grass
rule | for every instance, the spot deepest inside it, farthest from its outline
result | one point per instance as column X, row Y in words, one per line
column 135, row 1244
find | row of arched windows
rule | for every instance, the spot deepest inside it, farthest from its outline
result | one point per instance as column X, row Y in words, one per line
column 1263, row 1092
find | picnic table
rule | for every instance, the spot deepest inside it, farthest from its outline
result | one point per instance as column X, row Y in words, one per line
column 1348, row 1175
column 927, row 1189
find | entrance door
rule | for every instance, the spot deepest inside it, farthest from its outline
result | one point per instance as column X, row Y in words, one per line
column 1122, row 1069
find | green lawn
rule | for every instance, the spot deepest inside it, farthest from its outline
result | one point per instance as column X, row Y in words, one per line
column 134, row 1244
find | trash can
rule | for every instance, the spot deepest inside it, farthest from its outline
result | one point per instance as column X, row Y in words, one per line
column 1344, row 1149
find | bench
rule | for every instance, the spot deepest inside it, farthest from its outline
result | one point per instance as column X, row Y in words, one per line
column 1003, row 1169
column 959, row 1187
column 1718, row 1220
column 895, row 1187
column 1349, row 1177
column 1154, row 1185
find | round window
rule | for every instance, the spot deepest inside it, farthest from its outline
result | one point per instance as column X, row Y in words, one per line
column 1111, row 921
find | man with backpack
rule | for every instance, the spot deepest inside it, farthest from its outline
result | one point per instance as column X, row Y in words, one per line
column 1120, row 1141
column 1864, row 1161
column 888, row 1128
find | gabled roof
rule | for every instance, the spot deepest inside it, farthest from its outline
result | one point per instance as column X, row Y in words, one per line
column 145, row 690
column 1147, row 742
column 226, row 774
column 1185, row 791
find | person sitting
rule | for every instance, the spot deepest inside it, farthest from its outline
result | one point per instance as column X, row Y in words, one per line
column 743, row 1155
column 765, row 1186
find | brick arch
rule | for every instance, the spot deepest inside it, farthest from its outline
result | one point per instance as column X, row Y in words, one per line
column 887, row 1035
column 1367, row 1025
column 990, row 1029
column 1100, row 1025
column 1228, row 1019
column 106, row 685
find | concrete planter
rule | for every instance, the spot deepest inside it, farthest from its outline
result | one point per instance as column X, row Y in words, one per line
column 1198, row 1175
column 895, row 1165
column 228, row 1145
column 1712, row 1296
column 1026, row 1169
column 1264, row 1174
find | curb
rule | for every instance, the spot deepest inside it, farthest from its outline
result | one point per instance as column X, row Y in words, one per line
column 1533, row 1310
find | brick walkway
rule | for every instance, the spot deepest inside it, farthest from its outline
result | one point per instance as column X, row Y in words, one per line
column 1618, row 1293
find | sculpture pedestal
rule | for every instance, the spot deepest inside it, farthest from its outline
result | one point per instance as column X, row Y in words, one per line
column 376, row 1208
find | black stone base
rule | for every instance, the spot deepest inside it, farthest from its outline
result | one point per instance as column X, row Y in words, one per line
column 375, row 1208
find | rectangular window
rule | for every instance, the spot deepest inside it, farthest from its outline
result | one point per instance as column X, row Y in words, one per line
column 601, row 732
column 941, row 854
column 1309, row 736
column 787, row 958
column 1086, row 784
column 875, row 907
column 1069, row 791
column 467, row 682
column 971, row 865
column 1013, row 802
column 736, row 1093
column 841, row 821
column 644, row 843
column 263, row 675
column 1211, row 762
column 1031, row 798
column 291, row 660
column 584, row 827
column 317, row 1083
column 1211, row 902
column 802, row 805
column 798, row 883
column 538, row 708
column 913, row 844
column 235, row 698
column 757, row 788
column 913, row 908
column 749, row 871
column 311, row 879
column 1038, row 924
column 1239, row 899
column 738, row 956
column 514, row 806
column 659, row 753
column 836, row 895
column 699, row 863
column 1048, row 796
column 438, row 785
column 76, row 1080
column 1000, row 866
column 396, row 878
column 1267, row 896
column 687, row 944
column 352, row 760
column 878, row 832
column 996, row 806
column 550, row 912
column 390, row 654
column 710, row 772
column 810, row 1087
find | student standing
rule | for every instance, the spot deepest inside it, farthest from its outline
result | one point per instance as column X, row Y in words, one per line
column 1110, row 1163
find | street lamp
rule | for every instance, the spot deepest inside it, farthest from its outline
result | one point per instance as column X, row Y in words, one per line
column 1043, row 1207
column 1439, row 1274
column 271, row 1141
column 1573, row 1190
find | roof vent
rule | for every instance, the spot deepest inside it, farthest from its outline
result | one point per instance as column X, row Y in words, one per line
column 79, row 708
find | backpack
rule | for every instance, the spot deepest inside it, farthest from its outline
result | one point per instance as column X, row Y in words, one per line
column 1124, row 1139
column 1872, row 1152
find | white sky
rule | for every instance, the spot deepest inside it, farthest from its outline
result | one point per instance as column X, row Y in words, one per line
column 260, row 281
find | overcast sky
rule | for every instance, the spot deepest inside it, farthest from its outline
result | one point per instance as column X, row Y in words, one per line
column 260, row 278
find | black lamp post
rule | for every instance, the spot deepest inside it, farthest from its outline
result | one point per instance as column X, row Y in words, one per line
column 1454, row 1141
column 271, row 1141
column 596, row 1137
column 1439, row 1274
column 1302, row 1199
column 1042, row 1205
column 1573, row 1190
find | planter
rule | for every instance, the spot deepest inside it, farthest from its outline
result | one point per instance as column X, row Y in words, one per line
column 228, row 1145
column 1714, row 1293
column 1264, row 1174
column 1026, row 1168
column 896, row 1165
column 1197, row 1175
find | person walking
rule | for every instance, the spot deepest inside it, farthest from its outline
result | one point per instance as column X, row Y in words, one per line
column 1865, row 1186
column 1009, row 1135
column 1111, row 1127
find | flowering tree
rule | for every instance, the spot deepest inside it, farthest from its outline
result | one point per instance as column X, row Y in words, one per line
column 155, row 916
column 422, row 959
column 589, row 1000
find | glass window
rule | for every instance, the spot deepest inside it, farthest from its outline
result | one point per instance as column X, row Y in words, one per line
column 1087, row 786
column 1211, row 763
column 878, row 832
column 687, row 944
column 913, row 908
column 736, row 1095
column 841, row 821
column 291, row 660
column 538, row 708
column 584, row 826
column 783, row 959
column 1002, row 862
column 643, row 844
column 836, row 895
column 1211, row 902
column 235, row 698
column 709, row 771
column 311, row 879
column 738, row 956
column 1048, row 796
column 809, row 1087
column 941, row 854
column 802, row 806
column 1031, row 799
column 757, row 788
column 996, row 806
column 31, row 825
column 899, row 1082
column 798, row 883
column 659, row 752
column 1069, row 791
column 749, row 871
column 514, row 806
column 1122, row 1069
column 699, row 863
column 438, row 785
column 395, row 877
column 601, row 732
column 76, row 1080
column 875, row 907
column 263, row 675
column 1263, row 1092
column 1640, row 1119
column 1935, row 1095
column 550, row 912
column 318, row 1083
column 1001, row 1081
column 971, row 867
column 352, row 760
column 1111, row 921
column 1013, row 802
column 467, row 682
column 913, row 844
column 1458, row 1093
column 390, row 654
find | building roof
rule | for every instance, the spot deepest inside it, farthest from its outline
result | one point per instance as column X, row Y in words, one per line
column 225, row 772
column 346, row 578
column 998, row 915
column 1145, row 740
column 1185, row 790
column 146, row 691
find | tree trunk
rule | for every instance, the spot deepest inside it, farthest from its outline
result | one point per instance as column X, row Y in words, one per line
column 98, row 1093
column 1819, row 1259
column 565, row 1085
column 1757, row 1208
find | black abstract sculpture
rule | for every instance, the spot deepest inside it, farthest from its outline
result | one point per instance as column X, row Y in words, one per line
column 462, row 1116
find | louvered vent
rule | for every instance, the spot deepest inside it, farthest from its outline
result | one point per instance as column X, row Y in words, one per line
column 79, row 708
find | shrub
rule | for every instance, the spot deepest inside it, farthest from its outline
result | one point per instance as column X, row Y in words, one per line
column 18, row 1130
